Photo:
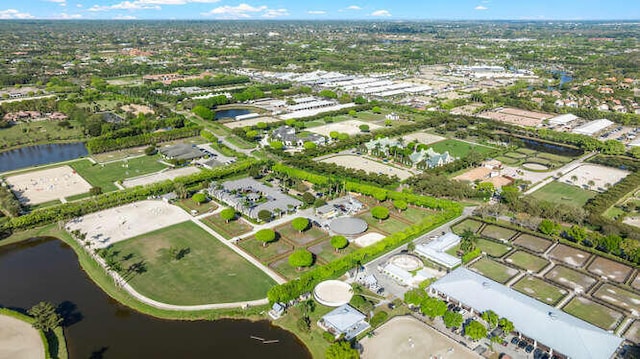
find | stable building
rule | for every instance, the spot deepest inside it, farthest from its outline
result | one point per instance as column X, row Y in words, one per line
column 344, row 321
column 435, row 250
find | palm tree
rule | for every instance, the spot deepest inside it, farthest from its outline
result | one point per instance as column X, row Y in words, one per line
column 574, row 178
column 468, row 241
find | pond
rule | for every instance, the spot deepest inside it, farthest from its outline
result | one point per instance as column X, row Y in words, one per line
column 551, row 148
column 40, row 155
column 96, row 326
column 231, row 113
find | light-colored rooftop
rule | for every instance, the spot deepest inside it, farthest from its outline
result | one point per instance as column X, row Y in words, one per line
column 593, row 127
column 435, row 250
column 548, row 325
column 348, row 226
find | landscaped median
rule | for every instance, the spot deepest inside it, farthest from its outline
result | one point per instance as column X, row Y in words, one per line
column 19, row 337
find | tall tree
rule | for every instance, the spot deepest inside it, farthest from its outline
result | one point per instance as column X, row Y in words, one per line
column 45, row 315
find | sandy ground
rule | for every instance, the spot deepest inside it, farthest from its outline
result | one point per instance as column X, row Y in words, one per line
column 19, row 340
column 600, row 175
column 422, row 137
column 369, row 239
column 159, row 176
column 370, row 166
column 251, row 122
column 48, row 185
column 137, row 109
column 408, row 338
column 120, row 223
column 350, row 127
column 315, row 111
column 333, row 293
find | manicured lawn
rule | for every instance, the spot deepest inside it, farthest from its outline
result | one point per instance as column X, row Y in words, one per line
column 209, row 273
column 309, row 235
column 240, row 142
column 414, row 214
column 497, row 232
column 458, row 148
column 536, row 244
column 327, row 253
column 558, row 192
column 515, row 155
column 619, row 297
column 282, row 266
column 540, row 290
column 188, row 205
column 507, row 160
column 99, row 175
column 40, row 131
column 467, row 224
column 527, row 261
column 228, row 230
column 592, row 312
column 492, row 248
column 554, row 158
column 526, row 151
column 494, row 270
column 265, row 253
column 389, row 225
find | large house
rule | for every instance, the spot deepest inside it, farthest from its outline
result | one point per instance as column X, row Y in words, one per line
column 422, row 158
column 287, row 135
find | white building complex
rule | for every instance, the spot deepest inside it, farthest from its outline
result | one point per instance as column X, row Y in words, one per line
column 562, row 120
column 435, row 250
column 550, row 328
column 593, row 127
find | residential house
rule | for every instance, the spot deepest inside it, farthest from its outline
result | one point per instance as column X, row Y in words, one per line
column 344, row 321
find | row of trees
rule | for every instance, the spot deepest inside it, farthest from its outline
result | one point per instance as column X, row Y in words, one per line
column 106, row 143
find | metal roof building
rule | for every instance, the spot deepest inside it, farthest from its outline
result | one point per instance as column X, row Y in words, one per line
column 593, row 127
column 550, row 326
column 436, row 250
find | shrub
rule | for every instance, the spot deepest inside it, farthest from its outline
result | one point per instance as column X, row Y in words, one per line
column 378, row 318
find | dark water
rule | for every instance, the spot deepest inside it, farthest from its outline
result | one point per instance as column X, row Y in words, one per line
column 551, row 148
column 564, row 78
column 40, row 154
column 99, row 327
column 232, row 113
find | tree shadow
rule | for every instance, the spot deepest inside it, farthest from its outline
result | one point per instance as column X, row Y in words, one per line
column 54, row 345
column 69, row 313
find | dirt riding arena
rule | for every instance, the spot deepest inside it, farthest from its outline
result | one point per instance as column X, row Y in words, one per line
column 422, row 137
column 117, row 224
column 251, row 122
column 533, row 243
column 159, row 176
column 369, row 239
column 569, row 255
column 137, row 109
column 48, row 185
column 367, row 165
column 516, row 116
column 19, row 340
column 612, row 270
column 600, row 175
column 408, row 338
column 350, row 127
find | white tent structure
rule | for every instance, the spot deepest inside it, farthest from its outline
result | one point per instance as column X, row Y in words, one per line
column 547, row 325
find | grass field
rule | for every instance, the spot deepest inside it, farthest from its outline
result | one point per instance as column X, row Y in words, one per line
column 491, row 248
column 389, row 225
column 466, row 224
column 494, row 270
column 527, row 261
column 414, row 214
column 189, row 204
column 497, row 232
column 558, row 192
column 458, row 148
column 283, row 267
column 38, row 132
column 592, row 312
column 570, row 278
column 228, row 230
column 327, row 253
column 613, row 270
column 507, row 160
column 265, row 253
column 104, row 175
column 209, row 273
column 307, row 236
column 540, row 290
column 619, row 297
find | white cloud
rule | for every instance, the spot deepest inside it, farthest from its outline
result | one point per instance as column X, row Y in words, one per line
column 125, row 5
column 14, row 14
column 381, row 13
column 273, row 13
column 176, row 2
column 124, row 17
column 60, row 2
column 65, row 16
column 480, row 8
column 79, row 5
column 354, row 7
column 316, row 12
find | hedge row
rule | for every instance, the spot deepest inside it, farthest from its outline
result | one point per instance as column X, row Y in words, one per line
column 602, row 201
column 70, row 210
column 300, row 174
column 104, row 144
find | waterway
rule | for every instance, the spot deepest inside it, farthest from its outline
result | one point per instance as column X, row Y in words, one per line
column 40, row 155
column 231, row 113
column 96, row 326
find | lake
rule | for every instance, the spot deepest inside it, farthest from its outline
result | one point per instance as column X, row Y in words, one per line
column 231, row 113
column 40, row 155
column 46, row 269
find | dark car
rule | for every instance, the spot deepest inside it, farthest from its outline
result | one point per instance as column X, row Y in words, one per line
column 514, row 340
column 529, row 348
column 522, row 344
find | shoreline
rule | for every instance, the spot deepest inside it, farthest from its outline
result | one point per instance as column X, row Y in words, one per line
column 54, row 340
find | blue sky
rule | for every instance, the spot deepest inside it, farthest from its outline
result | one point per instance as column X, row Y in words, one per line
column 318, row 10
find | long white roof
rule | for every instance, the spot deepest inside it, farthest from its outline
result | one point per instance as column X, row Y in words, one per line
column 592, row 127
column 548, row 325
column 435, row 250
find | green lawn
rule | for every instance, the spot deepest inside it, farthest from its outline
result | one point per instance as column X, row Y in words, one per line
column 389, row 225
column 527, row 261
column 283, row 267
column 307, row 236
column 458, row 148
column 414, row 214
column 265, row 253
column 540, row 290
column 37, row 132
column 497, row 232
column 507, row 160
column 558, row 192
column 466, row 224
column 103, row 176
column 570, row 278
column 189, row 204
column 327, row 253
column 526, row 151
column 619, row 297
column 592, row 312
column 516, row 155
column 228, row 230
column 209, row 273
column 494, row 270
column 492, row 248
